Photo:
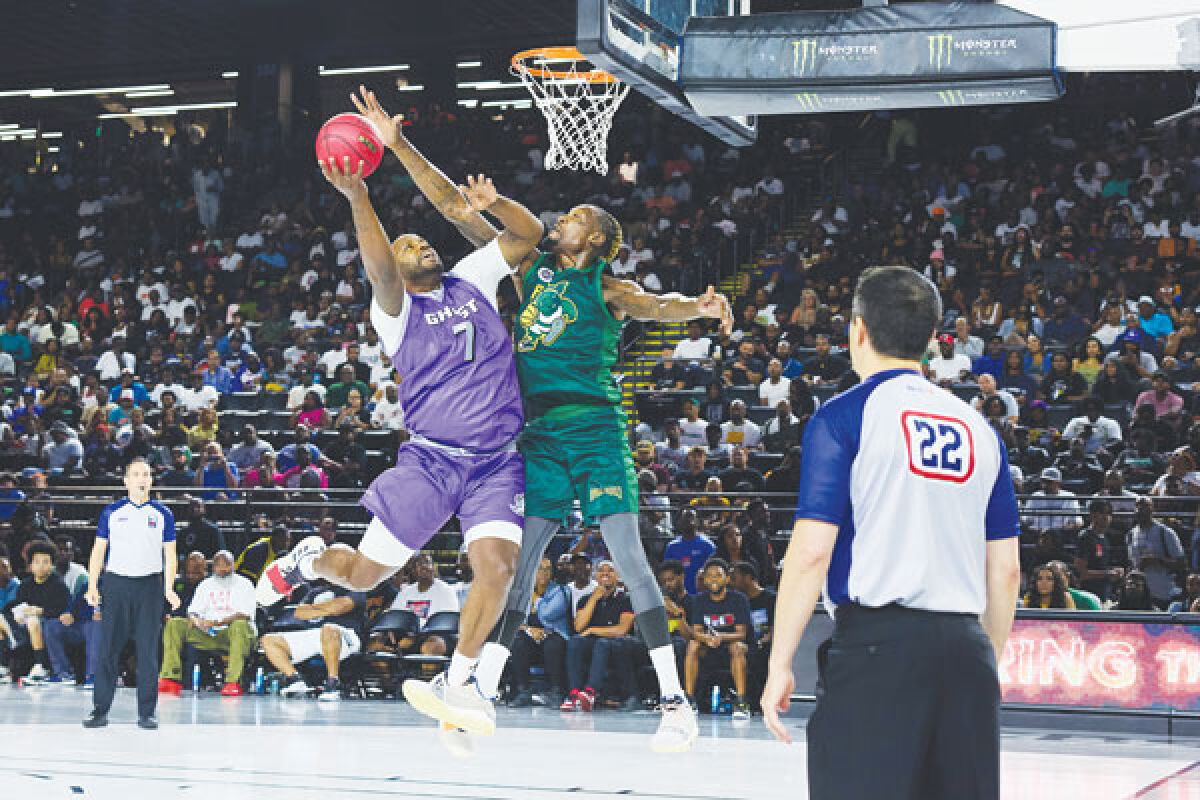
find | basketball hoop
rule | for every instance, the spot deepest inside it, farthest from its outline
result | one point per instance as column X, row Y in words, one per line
column 578, row 102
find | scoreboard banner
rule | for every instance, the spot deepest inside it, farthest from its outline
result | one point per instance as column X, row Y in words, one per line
column 899, row 56
column 1090, row 662
column 1083, row 660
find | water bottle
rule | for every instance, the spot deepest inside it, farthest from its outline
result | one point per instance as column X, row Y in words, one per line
column 726, row 704
column 195, row 677
column 258, row 681
column 714, row 705
column 275, row 685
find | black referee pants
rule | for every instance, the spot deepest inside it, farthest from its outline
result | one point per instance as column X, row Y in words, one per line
column 908, row 708
column 130, row 608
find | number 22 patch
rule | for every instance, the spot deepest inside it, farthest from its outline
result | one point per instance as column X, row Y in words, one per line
column 940, row 448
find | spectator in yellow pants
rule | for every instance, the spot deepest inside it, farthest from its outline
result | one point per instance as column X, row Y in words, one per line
column 220, row 618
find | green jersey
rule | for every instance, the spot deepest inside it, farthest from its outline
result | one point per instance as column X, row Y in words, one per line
column 566, row 339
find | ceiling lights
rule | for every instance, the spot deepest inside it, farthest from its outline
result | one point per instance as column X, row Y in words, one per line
column 166, row 111
column 151, row 93
column 362, row 70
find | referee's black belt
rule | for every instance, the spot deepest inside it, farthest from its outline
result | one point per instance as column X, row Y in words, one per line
column 848, row 613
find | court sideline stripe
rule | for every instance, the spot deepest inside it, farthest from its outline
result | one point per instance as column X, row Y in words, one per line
column 1161, row 782
column 578, row 790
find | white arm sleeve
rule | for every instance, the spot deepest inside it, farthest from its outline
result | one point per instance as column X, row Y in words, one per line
column 484, row 268
column 389, row 328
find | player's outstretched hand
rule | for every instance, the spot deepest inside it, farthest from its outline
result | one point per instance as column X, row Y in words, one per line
column 715, row 305
column 480, row 192
column 390, row 128
column 347, row 182
column 776, row 698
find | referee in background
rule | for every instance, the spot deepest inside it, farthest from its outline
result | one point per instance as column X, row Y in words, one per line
column 137, row 536
column 906, row 517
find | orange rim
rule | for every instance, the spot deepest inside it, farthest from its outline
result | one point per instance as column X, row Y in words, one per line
column 558, row 54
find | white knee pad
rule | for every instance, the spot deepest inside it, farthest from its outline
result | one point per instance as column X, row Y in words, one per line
column 379, row 545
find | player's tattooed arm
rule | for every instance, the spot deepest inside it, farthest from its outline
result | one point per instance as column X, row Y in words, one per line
column 373, row 243
column 431, row 181
column 627, row 298
column 522, row 230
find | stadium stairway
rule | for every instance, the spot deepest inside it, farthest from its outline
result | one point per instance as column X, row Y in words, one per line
column 638, row 360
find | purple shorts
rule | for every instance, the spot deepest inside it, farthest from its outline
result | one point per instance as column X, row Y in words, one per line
column 428, row 484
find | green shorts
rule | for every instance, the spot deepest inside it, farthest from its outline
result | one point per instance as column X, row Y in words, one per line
column 578, row 453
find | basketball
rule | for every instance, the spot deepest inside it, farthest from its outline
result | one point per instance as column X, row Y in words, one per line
column 351, row 135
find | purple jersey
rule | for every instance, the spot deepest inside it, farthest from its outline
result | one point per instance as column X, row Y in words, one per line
column 457, row 378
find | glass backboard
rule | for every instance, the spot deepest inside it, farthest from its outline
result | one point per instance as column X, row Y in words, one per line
column 639, row 41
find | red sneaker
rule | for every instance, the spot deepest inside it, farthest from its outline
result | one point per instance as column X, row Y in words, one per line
column 168, row 686
column 570, row 702
column 587, row 700
column 232, row 690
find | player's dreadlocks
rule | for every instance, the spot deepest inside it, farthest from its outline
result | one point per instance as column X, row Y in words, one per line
column 611, row 229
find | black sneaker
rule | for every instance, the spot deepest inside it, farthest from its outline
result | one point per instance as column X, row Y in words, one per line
column 95, row 720
column 148, row 723
column 522, row 699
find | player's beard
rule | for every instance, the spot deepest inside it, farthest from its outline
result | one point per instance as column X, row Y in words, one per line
column 423, row 273
column 552, row 243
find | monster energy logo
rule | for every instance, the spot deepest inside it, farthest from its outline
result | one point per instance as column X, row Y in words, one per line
column 804, row 56
column 952, row 97
column 809, row 101
column 941, row 47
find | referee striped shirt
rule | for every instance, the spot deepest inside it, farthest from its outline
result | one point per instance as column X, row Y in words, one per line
column 135, row 535
column 917, row 482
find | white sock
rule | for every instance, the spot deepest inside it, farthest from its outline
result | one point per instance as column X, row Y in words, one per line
column 460, row 669
column 306, row 562
column 663, row 659
column 492, row 659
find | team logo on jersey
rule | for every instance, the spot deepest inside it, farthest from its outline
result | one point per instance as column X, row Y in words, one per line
column 517, row 506
column 545, row 274
column 152, row 523
column 939, row 448
column 546, row 316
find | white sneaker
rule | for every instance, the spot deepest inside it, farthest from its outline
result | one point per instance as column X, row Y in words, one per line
column 5, row 675
column 462, row 706
column 297, row 687
column 37, row 675
column 331, row 693
column 456, row 740
column 283, row 574
column 677, row 730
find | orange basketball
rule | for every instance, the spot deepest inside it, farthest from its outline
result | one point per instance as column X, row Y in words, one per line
column 351, row 135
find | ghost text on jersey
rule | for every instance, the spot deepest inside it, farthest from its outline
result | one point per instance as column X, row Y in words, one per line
column 449, row 313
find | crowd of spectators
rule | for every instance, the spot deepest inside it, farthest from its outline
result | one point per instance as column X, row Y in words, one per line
column 1066, row 249
column 143, row 318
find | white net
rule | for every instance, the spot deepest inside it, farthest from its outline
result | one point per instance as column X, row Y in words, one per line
column 579, row 112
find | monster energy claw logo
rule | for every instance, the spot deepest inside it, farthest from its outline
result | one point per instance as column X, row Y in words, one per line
column 809, row 101
column 804, row 56
column 941, row 47
column 952, row 97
